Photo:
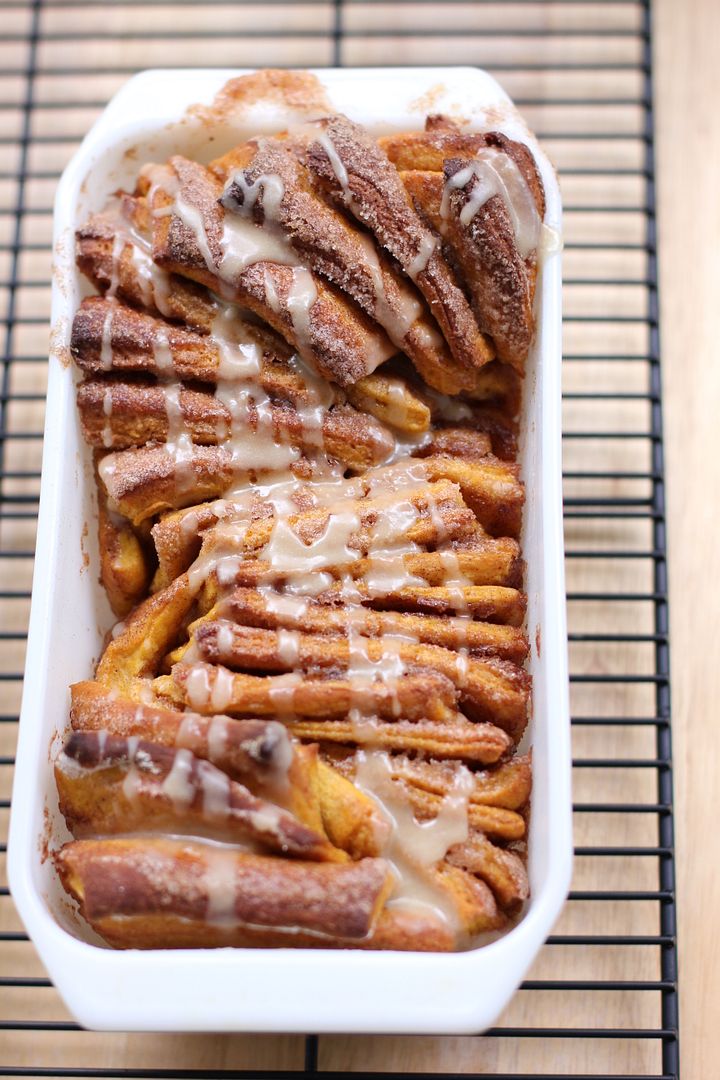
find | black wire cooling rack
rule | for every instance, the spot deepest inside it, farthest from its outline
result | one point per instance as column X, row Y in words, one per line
column 602, row 999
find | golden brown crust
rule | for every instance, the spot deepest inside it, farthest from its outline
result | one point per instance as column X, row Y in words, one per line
column 138, row 414
column 458, row 442
column 488, row 689
column 471, row 558
column 419, row 694
column 325, row 240
column 146, row 481
column 396, row 931
column 391, row 400
column 508, row 786
column 374, row 193
column 250, row 607
column 350, row 818
column 396, row 928
column 500, row 283
column 127, row 268
column 492, row 422
column 486, row 562
column 178, row 538
column 491, row 821
column 426, row 191
column 149, row 632
column 124, row 566
column 495, row 603
column 456, row 739
column 428, row 150
column 490, row 488
column 109, row 785
column 253, row 751
column 504, row 871
column 329, row 670
column 150, row 877
column 497, row 385
column 134, row 341
column 339, row 339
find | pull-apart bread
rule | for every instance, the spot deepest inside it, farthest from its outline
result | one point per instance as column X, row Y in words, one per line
column 300, row 376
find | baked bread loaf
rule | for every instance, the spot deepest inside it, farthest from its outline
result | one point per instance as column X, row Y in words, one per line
column 300, row 379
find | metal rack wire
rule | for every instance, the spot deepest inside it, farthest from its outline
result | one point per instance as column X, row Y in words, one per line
column 602, row 1000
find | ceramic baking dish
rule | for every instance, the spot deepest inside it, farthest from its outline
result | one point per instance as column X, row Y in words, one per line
column 283, row 989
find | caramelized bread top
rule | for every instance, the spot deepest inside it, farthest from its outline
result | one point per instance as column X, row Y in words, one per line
column 301, row 380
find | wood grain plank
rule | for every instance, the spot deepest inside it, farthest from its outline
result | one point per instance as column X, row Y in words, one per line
column 688, row 134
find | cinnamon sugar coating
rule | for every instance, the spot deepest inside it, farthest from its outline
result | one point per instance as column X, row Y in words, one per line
column 300, row 381
column 499, row 279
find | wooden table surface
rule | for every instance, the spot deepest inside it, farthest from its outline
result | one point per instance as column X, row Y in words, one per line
column 688, row 132
column 687, row 85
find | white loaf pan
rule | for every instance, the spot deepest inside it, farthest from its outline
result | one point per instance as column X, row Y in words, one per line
column 282, row 989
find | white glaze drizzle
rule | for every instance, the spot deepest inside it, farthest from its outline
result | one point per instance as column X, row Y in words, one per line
column 269, row 185
column 282, row 693
column 288, row 646
column 215, row 787
column 336, row 164
column 106, row 352
column 197, row 686
column 162, row 353
column 496, row 173
column 243, row 244
column 414, row 847
column 222, row 689
column 217, row 738
column 107, row 433
column 178, row 442
column 398, row 315
column 219, row 883
column 286, row 551
column 426, row 249
column 300, row 299
column 240, row 355
column 178, row 785
column 132, row 780
column 115, row 257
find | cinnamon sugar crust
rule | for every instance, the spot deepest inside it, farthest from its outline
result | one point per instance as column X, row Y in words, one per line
column 498, row 280
column 341, row 341
column 299, row 91
column 363, row 179
column 335, row 249
column 113, row 878
column 301, row 382
column 138, row 415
